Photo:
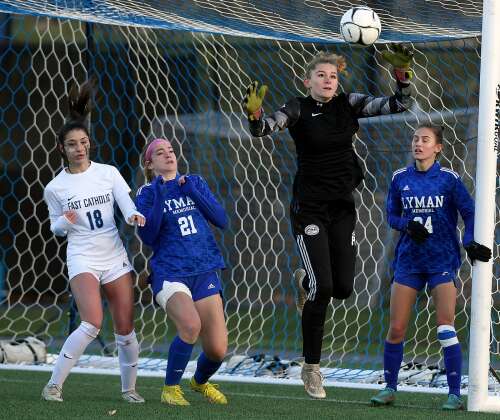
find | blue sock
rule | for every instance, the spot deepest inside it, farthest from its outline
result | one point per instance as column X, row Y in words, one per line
column 179, row 354
column 453, row 365
column 452, row 357
column 205, row 369
column 393, row 356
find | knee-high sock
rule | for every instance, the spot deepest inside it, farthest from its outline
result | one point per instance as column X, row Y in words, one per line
column 128, row 356
column 393, row 356
column 452, row 357
column 72, row 349
column 313, row 324
column 205, row 368
column 179, row 354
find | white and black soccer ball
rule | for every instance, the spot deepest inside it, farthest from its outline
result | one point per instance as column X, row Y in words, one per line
column 360, row 25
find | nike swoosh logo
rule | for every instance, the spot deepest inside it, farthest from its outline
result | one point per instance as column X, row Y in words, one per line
column 315, row 115
column 66, row 356
column 71, row 198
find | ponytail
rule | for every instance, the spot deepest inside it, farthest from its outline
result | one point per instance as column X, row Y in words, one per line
column 80, row 103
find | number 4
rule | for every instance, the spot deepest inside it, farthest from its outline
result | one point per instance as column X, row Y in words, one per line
column 427, row 224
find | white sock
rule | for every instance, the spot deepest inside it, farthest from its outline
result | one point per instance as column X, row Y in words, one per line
column 128, row 356
column 73, row 348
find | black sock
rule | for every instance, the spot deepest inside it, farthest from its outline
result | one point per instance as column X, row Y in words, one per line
column 313, row 323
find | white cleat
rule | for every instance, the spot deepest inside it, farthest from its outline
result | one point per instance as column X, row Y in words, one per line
column 301, row 298
column 313, row 380
column 132, row 397
column 52, row 392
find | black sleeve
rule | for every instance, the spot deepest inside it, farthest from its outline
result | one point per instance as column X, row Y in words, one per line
column 367, row 106
column 285, row 117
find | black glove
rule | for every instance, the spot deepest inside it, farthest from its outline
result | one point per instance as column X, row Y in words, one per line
column 477, row 251
column 417, row 231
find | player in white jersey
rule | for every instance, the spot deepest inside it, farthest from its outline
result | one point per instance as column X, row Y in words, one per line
column 80, row 201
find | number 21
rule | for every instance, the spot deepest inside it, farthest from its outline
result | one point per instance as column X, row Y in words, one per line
column 186, row 225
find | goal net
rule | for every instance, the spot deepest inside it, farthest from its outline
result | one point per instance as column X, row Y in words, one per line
column 179, row 69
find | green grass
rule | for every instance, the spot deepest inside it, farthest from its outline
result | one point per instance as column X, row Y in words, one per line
column 96, row 397
column 355, row 342
column 262, row 329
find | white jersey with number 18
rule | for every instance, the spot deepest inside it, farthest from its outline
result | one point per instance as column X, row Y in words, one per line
column 93, row 238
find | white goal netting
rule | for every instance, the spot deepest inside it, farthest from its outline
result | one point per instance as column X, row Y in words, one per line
column 179, row 69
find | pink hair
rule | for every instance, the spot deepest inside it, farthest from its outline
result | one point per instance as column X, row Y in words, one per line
column 151, row 148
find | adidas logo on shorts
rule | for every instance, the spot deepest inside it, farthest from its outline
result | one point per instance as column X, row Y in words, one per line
column 211, row 286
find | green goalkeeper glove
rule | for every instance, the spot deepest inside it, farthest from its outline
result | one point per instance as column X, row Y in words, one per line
column 253, row 100
column 401, row 59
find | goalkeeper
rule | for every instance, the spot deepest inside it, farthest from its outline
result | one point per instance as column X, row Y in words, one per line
column 423, row 204
column 322, row 211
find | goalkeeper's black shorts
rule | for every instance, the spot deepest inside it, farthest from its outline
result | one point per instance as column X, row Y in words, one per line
column 324, row 231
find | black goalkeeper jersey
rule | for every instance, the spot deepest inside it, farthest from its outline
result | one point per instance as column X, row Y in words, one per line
column 328, row 167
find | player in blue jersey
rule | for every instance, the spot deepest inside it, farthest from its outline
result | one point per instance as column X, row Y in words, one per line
column 423, row 204
column 184, row 266
column 81, row 201
column 322, row 212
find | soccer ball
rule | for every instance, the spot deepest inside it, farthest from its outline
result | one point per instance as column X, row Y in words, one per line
column 360, row 25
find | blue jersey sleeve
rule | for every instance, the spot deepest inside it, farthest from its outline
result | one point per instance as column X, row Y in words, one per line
column 465, row 205
column 149, row 202
column 196, row 188
column 394, row 208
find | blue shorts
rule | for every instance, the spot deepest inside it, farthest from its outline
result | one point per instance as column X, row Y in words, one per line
column 198, row 287
column 418, row 281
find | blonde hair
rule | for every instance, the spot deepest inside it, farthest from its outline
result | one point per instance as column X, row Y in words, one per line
column 325, row 57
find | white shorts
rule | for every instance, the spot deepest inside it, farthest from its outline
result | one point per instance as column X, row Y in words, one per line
column 119, row 267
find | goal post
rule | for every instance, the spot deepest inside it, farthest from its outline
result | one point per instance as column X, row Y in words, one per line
column 484, row 227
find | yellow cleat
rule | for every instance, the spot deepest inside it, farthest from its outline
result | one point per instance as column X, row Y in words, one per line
column 172, row 394
column 209, row 391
